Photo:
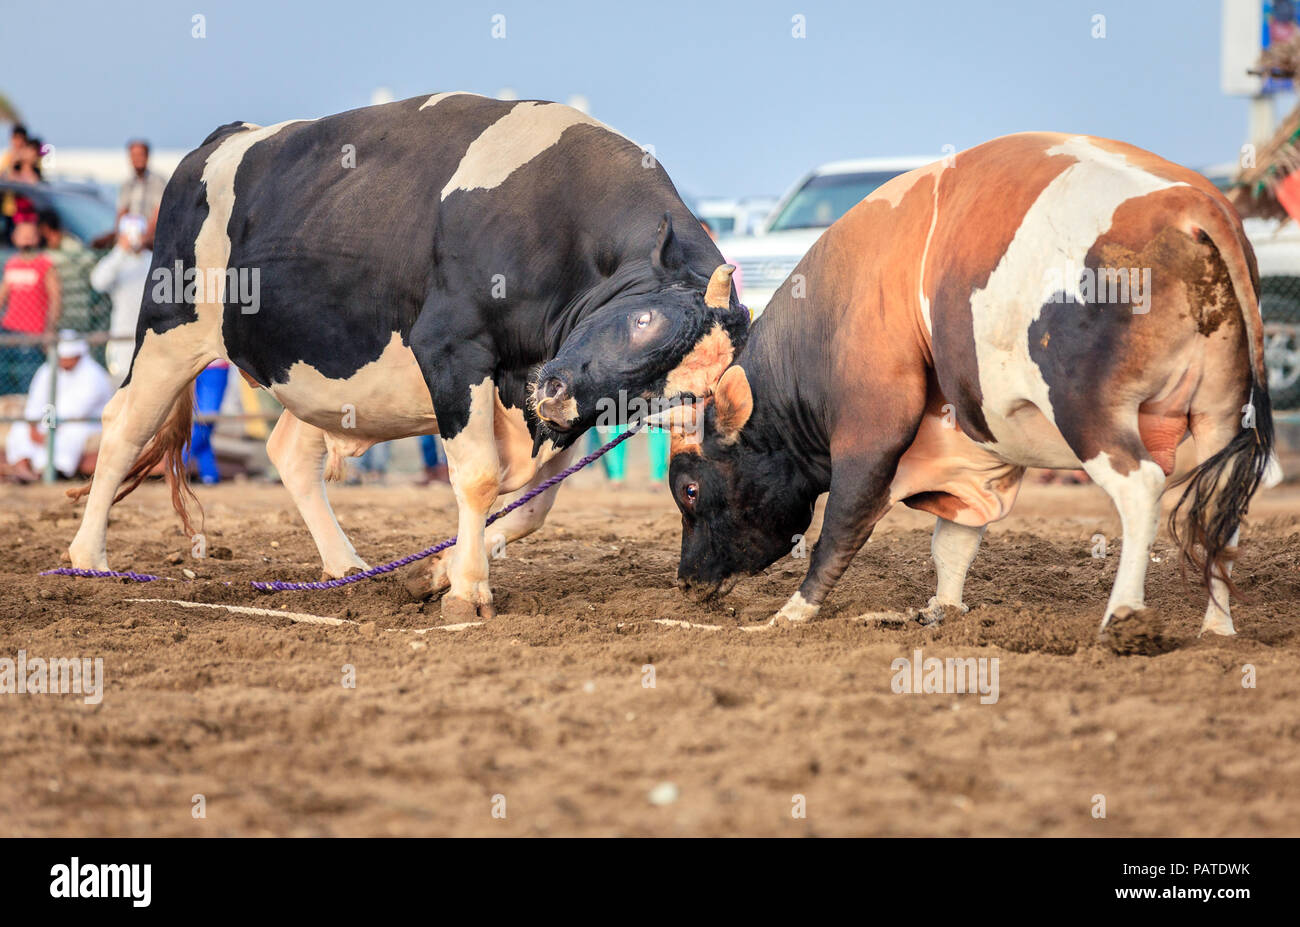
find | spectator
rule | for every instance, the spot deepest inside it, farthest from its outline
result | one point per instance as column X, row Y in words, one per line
column 17, row 141
column 142, row 194
column 123, row 273
column 81, row 390
column 73, row 261
column 25, row 166
column 31, row 301
column 209, row 390
column 435, row 463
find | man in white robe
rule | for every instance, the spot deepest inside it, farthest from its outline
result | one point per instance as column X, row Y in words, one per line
column 82, row 389
column 122, row 274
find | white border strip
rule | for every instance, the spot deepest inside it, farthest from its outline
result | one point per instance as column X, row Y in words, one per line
column 301, row 617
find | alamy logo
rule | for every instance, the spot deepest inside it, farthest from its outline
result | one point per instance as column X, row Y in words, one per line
column 106, row 880
column 1120, row 286
column 679, row 412
column 55, row 676
column 953, row 676
column 239, row 285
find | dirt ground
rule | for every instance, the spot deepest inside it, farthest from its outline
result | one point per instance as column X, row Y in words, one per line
column 543, row 713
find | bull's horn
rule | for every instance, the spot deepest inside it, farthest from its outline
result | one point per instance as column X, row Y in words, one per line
column 718, row 294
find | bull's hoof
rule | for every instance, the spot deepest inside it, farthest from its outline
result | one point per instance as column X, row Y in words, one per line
column 83, row 560
column 794, row 612
column 420, row 585
column 456, row 610
column 426, row 582
column 327, row 575
column 935, row 612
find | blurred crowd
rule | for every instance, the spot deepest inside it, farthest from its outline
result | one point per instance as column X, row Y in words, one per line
column 55, row 283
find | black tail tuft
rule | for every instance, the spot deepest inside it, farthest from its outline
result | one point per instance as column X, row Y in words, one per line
column 1219, row 492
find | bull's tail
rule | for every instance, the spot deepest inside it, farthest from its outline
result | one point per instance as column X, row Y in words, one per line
column 167, row 448
column 1218, row 491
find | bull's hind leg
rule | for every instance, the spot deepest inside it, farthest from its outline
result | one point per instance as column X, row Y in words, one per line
column 520, row 523
column 163, row 368
column 1134, row 483
column 1212, row 431
column 953, row 548
column 298, row 451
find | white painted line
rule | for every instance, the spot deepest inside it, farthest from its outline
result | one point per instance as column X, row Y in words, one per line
column 301, row 617
column 249, row 610
column 673, row 623
column 442, row 627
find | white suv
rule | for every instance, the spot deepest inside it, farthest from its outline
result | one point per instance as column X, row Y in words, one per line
column 767, row 258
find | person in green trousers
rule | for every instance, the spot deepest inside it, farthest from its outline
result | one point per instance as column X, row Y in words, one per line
column 615, row 462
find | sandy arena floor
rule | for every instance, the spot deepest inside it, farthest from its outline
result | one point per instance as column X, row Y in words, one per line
column 545, row 704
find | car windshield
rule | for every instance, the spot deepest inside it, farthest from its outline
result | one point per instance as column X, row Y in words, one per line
column 722, row 225
column 84, row 216
column 826, row 197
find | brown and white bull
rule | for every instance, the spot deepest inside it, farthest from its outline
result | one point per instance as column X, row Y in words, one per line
column 1041, row 300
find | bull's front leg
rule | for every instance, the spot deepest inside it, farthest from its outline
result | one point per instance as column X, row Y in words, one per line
column 475, row 478
column 859, row 498
column 457, row 366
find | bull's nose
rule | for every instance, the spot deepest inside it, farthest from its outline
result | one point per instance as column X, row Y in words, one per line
column 554, row 403
column 697, row 591
column 554, row 388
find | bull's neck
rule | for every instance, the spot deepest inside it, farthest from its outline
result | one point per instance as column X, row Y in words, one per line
column 788, row 361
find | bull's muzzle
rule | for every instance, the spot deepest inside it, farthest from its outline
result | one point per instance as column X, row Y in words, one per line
column 700, row 591
column 554, row 403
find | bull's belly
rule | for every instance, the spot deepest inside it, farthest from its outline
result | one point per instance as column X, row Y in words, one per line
column 1025, row 437
column 947, row 473
column 385, row 399
column 388, row 399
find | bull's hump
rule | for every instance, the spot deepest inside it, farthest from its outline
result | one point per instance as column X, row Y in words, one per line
column 439, row 97
column 526, row 131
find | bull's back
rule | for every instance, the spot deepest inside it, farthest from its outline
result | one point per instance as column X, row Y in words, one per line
column 346, row 227
column 1064, row 280
column 977, row 268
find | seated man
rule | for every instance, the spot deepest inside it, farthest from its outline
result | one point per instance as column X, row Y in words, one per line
column 82, row 389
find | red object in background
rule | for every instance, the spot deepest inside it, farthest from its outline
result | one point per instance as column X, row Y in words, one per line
column 1288, row 194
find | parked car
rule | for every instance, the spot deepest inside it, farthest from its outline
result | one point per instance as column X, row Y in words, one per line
column 83, row 213
column 743, row 216
column 799, row 218
column 1277, row 249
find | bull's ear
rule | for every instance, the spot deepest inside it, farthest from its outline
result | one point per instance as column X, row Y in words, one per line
column 734, row 402
column 667, row 253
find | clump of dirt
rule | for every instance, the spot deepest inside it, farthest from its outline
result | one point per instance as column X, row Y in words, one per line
column 1138, row 632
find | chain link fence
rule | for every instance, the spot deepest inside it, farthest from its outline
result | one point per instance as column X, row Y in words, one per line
column 30, row 401
column 1279, row 304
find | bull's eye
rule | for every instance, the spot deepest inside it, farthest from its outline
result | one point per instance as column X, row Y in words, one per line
column 691, row 492
column 643, row 320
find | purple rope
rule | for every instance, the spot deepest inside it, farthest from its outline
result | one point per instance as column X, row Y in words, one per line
column 278, row 586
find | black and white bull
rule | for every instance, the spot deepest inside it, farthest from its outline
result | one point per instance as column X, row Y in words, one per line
column 1041, row 300
column 453, row 265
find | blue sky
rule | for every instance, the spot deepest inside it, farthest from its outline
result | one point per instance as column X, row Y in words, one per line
column 731, row 101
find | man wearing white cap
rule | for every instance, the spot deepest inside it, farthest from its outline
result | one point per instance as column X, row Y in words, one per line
column 82, row 389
